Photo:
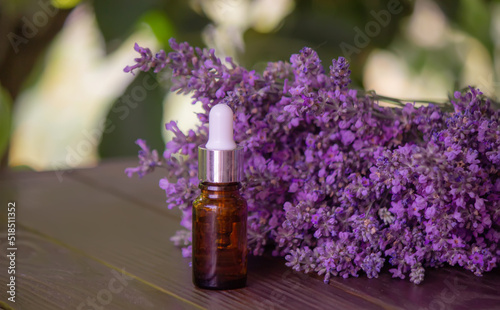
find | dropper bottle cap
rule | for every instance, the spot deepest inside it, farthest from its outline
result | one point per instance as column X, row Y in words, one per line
column 219, row 161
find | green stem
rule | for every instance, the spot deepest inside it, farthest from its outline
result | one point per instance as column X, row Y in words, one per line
column 400, row 102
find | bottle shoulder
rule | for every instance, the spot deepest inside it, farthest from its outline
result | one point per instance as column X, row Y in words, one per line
column 220, row 202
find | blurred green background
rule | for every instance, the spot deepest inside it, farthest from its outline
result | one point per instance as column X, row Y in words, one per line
column 65, row 101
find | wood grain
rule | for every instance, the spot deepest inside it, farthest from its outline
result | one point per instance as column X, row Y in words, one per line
column 119, row 223
column 117, row 232
column 443, row 287
column 112, row 179
column 50, row 276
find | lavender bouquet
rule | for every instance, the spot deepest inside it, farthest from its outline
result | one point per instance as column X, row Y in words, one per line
column 336, row 183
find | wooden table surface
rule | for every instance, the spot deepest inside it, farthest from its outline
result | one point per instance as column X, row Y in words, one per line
column 94, row 239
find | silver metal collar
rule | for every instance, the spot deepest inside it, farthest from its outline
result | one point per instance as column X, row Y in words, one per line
column 220, row 166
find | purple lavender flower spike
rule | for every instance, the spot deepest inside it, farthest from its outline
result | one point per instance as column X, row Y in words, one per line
column 336, row 183
column 340, row 73
column 144, row 62
column 148, row 161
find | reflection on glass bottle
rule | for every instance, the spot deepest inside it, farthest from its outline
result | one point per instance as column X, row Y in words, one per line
column 220, row 237
column 220, row 213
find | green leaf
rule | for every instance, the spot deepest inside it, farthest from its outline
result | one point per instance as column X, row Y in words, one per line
column 133, row 117
column 118, row 18
column 475, row 18
column 162, row 27
column 5, row 120
column 65, row 4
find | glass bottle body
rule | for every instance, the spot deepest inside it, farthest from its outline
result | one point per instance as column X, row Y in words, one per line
column 220, row 237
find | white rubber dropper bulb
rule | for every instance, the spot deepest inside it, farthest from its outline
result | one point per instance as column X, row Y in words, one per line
column 220, row 128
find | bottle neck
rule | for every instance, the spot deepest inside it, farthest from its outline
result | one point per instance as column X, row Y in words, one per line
column 219, row 189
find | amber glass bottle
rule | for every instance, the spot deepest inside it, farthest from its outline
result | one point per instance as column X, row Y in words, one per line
column 220, row 213
column 220, row 237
